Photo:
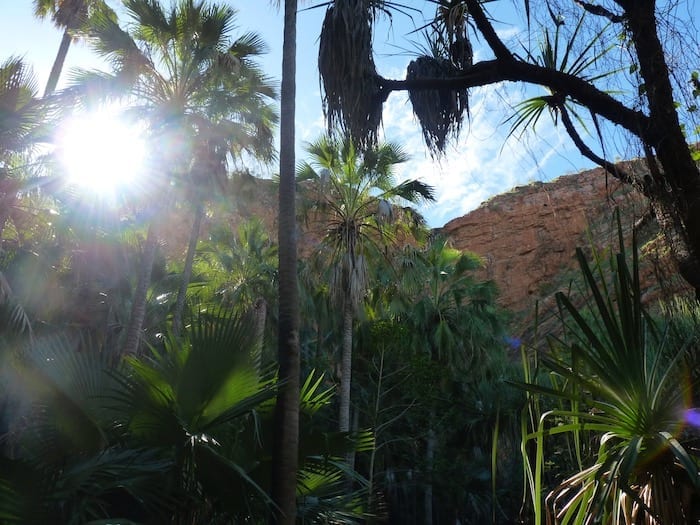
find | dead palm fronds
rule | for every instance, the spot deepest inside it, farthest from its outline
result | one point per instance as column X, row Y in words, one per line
column 439, row 111
column 448, row 54
column 352, row 96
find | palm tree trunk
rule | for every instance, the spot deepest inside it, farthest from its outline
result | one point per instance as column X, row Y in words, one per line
column 187, row 270
column 286, row 436
column 58, row 63
column 429, row 463
column 138, row 304
column 6, row 204
column 3, row 221
column 260, row 316
column 346, row 369
column 375, row 424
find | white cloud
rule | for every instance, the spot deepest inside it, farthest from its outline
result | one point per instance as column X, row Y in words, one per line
column 483, row 161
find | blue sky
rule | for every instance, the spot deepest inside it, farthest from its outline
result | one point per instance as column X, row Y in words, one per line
column 482, row 163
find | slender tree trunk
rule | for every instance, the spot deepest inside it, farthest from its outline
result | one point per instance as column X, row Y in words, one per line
column 429, row 463
column 187, row 270
column 6, row 204
column 58, row 63
column 346, row 383
column 3, row 221
column 138, row 304
column 260, row 316
column 286, row 437
column 375, row 424
column 346, row 368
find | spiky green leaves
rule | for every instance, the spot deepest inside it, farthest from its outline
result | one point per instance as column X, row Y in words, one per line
column 621, row 383
column 22, row 114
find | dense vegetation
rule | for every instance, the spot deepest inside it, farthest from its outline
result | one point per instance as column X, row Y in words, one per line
column 140, row 381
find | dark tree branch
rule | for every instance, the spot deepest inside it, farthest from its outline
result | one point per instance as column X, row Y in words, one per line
column 587, row 152
column 486, row 28
column 495, row 71
column 599, row 10
column 626, row 5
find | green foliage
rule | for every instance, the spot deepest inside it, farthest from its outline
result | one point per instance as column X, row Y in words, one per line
column 620, row 381
column 182, row 434
column 350, row 197
column 353, row 195
column 553, row 55
column 237, row 267
column 431, row 379
column 406, row 397
column 448, row 313
column 64, row 458
column 23, row 116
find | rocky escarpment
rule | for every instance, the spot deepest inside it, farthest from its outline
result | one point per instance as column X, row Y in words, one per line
column 528, row 237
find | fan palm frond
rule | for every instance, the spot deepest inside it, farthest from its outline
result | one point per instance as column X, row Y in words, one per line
column 22, row 114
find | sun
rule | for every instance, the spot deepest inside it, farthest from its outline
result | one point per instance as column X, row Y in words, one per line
column 100, row 152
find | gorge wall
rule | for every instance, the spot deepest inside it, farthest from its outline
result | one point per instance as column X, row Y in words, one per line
column 527, row 238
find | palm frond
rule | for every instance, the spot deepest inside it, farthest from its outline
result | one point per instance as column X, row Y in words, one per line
column 22, row 113
column 248, row 44
column 415, row 191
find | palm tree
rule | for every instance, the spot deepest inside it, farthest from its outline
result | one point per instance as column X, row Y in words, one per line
column 23, row 119
column 71, row 16
column 167, row 433
column 453, row 316
column 242, row 122
column 352, row 197
column 23, row 114
column 239, row 271
column 199, row 411
column 185, row 77
column 64, row 458
column 448, row 315
column 285, row 459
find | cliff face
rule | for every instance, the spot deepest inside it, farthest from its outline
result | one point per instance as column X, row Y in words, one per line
column 529, row 235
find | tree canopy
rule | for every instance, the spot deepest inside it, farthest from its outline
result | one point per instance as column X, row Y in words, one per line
column 639, row 88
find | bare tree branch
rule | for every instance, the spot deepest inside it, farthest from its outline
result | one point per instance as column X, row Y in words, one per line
column 599, row 10
column 496, row 71
column 486, row 28
column 614, row 170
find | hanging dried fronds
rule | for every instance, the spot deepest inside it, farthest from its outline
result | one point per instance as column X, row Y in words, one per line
column 349, row 280
column 448, row 54
column 352, row 95
column 450, row 32
column 439, row 111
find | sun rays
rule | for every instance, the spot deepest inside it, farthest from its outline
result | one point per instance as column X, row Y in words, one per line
column 101, row 153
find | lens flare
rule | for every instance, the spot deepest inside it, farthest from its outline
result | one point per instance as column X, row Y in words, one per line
column 692, row 417
column 100, row 152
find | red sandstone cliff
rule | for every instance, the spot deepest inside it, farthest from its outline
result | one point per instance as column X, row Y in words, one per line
column 528, row 236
